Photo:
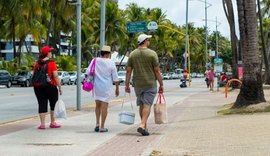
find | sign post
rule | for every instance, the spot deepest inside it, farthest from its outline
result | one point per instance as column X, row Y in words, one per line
column 134, row 27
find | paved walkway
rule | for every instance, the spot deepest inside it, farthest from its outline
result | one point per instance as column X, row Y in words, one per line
column 194, row 129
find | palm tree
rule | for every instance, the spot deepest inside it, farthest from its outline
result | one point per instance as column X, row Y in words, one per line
column 10, row 11
column 133, row 13
column 18, row 26
column 31, row 12
column 251, row 91
column 264, row 12
column 236, row 55
column 114, row 27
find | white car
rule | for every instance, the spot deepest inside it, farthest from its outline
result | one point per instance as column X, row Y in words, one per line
column 122, row 76
column 64, row 77
column 73, row 77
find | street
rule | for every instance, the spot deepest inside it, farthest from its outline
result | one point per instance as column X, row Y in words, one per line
column 20, row 102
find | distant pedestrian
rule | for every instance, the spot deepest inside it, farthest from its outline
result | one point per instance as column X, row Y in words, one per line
column 50, row 91
column 104, row 77
column 211, row 77
column 206, row 78
column 223, row 79
column 143, row 62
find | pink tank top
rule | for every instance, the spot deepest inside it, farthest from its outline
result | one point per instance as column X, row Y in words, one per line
column 211, row 75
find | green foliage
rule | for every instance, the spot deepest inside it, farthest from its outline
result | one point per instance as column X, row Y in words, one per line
column 228, row 110
column 34, row 17
column 66, row 63
column 10, row 66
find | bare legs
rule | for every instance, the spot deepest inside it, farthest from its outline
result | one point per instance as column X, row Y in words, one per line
column 101, row 112
column 52, row 116
column 211, row 84
column 42, row 118
column 144, row 114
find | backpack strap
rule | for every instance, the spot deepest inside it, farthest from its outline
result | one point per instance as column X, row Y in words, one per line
column 44, row 64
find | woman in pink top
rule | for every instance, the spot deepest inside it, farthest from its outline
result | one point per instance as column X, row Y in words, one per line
column 211, row 77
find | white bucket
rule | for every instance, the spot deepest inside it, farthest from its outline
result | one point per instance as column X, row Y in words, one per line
column 126, row 117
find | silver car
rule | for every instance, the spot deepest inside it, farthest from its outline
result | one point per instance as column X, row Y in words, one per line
column 73, row 77
column 64, row 77
column 122, row 76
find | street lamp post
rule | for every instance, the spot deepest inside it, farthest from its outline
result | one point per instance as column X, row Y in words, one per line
column 217, row 37
column 102, row 21
column 206, row 34
column 78, row 54
column 186, row 44
column 217, row 24
column 207, row 5
column 78, row 16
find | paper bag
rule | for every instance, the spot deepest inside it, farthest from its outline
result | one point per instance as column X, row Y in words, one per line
column 160, row 110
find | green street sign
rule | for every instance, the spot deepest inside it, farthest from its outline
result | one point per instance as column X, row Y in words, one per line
column 218, row 61
column 134, row 27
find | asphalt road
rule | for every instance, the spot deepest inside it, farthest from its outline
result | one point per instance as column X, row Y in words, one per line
column 20, row 102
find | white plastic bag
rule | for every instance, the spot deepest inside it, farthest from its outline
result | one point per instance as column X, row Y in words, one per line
column 60, row 109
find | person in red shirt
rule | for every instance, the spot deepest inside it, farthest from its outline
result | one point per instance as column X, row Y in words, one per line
column 49, row 92
column 223, row 79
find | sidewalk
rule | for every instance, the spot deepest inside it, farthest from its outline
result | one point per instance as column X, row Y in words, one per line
column 194, row 129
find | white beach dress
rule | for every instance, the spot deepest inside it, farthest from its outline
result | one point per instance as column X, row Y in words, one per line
column 105, row 75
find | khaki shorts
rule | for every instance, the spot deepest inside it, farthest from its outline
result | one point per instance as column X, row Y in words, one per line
column 145, row 96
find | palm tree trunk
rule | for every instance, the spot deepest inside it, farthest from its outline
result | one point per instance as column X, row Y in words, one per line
column 228, row 9
column 267, row 72
column 263, row 42
column 50, row 23
column 251, row 91
column 13, row 38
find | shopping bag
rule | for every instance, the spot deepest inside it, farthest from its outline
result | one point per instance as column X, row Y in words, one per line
column 88, row 83
column 160, row 110
column 60, row 109
column 126, row 116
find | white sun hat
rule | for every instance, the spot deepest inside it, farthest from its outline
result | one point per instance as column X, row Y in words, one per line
column 143, row 37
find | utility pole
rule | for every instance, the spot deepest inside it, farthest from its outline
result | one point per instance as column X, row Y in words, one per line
column 79, row 54
column 102, row 20
column 206, row 35
column 102, row 23
column 216, row 37
column 186, row 44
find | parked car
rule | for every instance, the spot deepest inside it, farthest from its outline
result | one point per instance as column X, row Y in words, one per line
column 22, row 78
column 200, row 75
column 64, row 77
column 73, row 77
column 167, row 76
column 193, row 75
column 5, row 78
column 122, row 76
column 174, row 75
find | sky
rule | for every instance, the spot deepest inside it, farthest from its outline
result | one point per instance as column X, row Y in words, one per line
column 176, row 12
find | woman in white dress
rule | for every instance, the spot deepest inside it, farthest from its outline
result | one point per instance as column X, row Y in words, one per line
column 105, row 76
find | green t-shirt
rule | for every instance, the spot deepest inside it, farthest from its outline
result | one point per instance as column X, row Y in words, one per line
column 142, row 61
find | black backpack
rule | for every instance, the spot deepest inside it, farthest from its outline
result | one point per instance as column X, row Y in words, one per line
column 40, row 77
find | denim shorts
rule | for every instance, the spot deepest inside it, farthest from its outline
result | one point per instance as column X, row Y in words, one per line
column 145, row 96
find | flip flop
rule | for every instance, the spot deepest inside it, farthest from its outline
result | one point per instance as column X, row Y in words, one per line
column 97, row 129
column 103, row 130
column 144, row 132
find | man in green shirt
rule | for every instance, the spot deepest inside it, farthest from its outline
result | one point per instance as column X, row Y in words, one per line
column 143, row 62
